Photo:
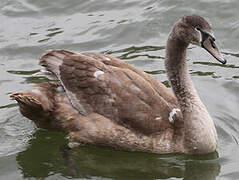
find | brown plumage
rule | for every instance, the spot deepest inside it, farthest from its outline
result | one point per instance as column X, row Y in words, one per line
column 101, row 100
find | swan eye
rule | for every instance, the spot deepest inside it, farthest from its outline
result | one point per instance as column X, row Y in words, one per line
column 198, row 28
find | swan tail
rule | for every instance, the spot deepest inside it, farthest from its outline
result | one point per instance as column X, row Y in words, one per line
column 26, row 100
column 36, row 102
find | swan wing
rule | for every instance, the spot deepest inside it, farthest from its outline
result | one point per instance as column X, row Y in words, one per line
column 112, row 88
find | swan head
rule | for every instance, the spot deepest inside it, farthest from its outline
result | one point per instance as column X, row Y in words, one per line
column 196, row 30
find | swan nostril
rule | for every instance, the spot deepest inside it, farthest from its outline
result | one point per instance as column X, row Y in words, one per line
column 212, row 44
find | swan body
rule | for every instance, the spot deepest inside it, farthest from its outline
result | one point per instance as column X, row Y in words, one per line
column 100, row 100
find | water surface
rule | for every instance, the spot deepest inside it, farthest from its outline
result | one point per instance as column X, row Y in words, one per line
column 135, row 31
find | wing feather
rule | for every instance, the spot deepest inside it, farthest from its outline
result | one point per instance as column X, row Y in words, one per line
column 119, row 92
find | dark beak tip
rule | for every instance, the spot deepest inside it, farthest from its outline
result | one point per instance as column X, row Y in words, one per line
column 224, row 61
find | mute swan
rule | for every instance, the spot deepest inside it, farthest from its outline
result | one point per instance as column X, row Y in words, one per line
column 100, row 100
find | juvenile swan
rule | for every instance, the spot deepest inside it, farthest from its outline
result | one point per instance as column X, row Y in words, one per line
column 100, row 100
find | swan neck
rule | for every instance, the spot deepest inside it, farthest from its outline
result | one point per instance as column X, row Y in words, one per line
column 178, row 75
column 199, row 131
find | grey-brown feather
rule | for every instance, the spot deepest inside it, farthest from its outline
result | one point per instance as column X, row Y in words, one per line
column 101, row 100
column 106, row 94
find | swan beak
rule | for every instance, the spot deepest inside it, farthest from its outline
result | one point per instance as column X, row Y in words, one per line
column 210, row 45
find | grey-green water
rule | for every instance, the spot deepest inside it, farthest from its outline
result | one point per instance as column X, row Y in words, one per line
column 136, row 31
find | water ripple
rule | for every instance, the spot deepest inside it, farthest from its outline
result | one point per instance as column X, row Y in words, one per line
column 15, row 132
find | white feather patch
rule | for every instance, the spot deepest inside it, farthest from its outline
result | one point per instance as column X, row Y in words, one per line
column 36, row 91
column 60, row 89
column 97, row 73
column 171, row 114
column 158, row 118
column 200, row 35
column 73, row 144
column 107, row 58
